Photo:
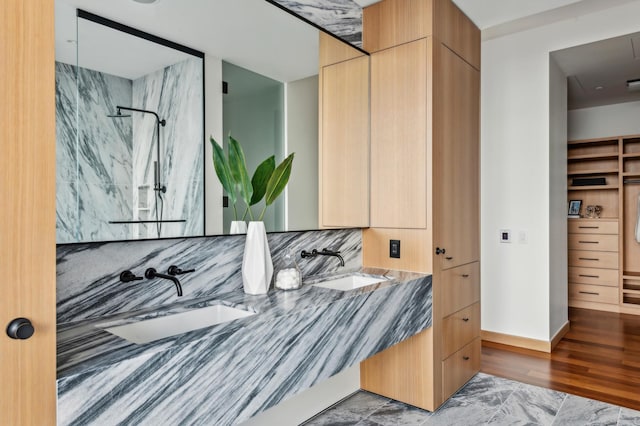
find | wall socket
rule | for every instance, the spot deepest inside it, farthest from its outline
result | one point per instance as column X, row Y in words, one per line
column 394, row 249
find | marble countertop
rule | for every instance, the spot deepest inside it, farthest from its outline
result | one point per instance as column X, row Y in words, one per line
column 84, row 346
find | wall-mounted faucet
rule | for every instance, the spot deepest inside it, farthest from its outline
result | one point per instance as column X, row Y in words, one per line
column 305, row 254
column 128, row 276
column 152, row 273
column 174, row 270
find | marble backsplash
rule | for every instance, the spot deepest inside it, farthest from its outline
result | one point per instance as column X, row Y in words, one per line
column 88, row 284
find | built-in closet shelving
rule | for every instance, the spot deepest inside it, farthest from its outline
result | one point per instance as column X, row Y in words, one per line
column 604, row 256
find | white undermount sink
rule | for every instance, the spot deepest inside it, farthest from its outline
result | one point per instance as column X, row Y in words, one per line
column 350, row 282
column 146, row 331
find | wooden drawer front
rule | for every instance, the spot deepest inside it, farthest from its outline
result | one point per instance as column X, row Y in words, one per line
column 593, row 293
column 592, row 242
column 460, row 328
column 607, row 277
column 460, row 367
column 460, row 287
column 593, row 259
column 578, row 226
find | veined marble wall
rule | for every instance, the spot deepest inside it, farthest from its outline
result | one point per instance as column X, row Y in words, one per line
column 101, row 165
column 93, row 163
column 340, row 17
column 88, row 283
column 175, row 93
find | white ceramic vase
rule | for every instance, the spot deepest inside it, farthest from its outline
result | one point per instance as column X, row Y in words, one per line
column 257, row 267
column 238, row 227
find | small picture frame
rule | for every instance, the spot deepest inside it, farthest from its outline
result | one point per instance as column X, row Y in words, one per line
column 574, row 208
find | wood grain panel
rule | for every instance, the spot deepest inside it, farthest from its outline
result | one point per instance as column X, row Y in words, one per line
column 403, row 372
column 593, row 293
column 606, row 277
column 456, row 31
column 631, row 256
column 393, row 22
column 460, row 328
column 333, row 50
column 456, row 150
column 399, row 124
column 585, row 226
column 415, row 253
column 344, row 144
column 460, row 367
column 593, row 242
column 594, row 259
column 27, row 217
column 460, row 287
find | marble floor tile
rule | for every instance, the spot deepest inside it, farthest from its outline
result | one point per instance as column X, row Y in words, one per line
column 580, row 411
column 529, row 405
column 396, row 413
column 629, row 417
column 350, row 411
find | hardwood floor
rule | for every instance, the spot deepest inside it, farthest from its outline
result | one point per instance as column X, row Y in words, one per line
column 598, row 358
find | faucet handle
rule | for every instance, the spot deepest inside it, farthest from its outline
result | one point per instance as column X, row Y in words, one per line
column 174, row 270
column 128, row 276
column 324, row 250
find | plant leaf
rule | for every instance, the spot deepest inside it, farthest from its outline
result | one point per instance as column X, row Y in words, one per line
column 261, row 178
column 279, row 180
column 221, row 165
column 239, row 172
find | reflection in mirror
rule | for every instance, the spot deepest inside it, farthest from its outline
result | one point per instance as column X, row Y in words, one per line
column 130, row 131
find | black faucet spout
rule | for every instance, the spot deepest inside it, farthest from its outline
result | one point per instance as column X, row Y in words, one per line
column 305, row 254
column 152, row 273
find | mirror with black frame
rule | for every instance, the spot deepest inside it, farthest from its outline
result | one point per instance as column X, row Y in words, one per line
column 135, row 112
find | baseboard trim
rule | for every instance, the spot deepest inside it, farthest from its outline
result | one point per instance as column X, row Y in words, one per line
column 525, row 342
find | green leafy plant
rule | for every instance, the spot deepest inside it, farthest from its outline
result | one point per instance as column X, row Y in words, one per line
column 268, row 181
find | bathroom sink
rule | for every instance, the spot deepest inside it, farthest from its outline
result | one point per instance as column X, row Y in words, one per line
column 350, row 282
column 146, row 331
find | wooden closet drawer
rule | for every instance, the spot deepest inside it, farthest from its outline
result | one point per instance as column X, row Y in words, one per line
column 593, row 293
column 599, row 242
column 460, row 367
column 581, row 226
column 460, row 287
column 460, row 328
column 594, row 259
column 606, row 277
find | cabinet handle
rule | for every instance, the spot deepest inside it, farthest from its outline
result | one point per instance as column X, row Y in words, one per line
column 466, row 358
column 465, row 275
column 588, row 242
column 589, row 276
column 589, row 227
column 465, row 319
column 593, row 293
column 449, row 258
column 440, row 251
column 589, row 258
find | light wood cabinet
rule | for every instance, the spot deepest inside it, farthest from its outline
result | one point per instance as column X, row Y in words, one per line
column 344, row 137
column 425, row 112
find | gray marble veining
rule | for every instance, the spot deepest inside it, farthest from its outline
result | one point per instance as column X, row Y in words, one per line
column 225, row 374
column 88, row 284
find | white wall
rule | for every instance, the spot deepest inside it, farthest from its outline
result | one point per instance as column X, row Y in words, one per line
column 558, row 275
column 516, row 159
column 302, row 138
column 603, row 121
column 212, row 127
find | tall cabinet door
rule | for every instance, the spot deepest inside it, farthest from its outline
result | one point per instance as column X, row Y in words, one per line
column 456, row 159
column 344, row 144
column 399, row 125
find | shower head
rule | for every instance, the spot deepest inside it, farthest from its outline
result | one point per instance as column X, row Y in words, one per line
column 118, row 114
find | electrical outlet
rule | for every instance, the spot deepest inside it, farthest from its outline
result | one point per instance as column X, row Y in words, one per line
column 394, row 249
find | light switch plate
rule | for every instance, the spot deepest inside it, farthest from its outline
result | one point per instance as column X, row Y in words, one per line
column 505, row 236
column 394, row 249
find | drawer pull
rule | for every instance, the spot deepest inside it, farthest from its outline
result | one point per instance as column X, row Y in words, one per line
column 589, row 276
column 593, row 293
column 588, row 242
column 465, row 275
column 449, row 258
column 466, row 358
column 589, row 258
column 589, row 227
column 465, row 319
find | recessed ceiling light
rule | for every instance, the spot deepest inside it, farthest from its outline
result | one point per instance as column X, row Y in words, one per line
column 145, row 1
column 599, row 87
column 633, row 84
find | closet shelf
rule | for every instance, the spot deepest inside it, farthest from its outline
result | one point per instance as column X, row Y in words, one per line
column 634, row 292
column 593, row 142
column 632, row 155
column 593, row 172
column 592, row 187
column 627, row 275
column 587, row 157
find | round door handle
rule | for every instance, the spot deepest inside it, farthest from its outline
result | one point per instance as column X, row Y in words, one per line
column 440, row 251
column 20, row 328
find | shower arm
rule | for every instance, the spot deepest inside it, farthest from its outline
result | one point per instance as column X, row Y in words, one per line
column 159, row 122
